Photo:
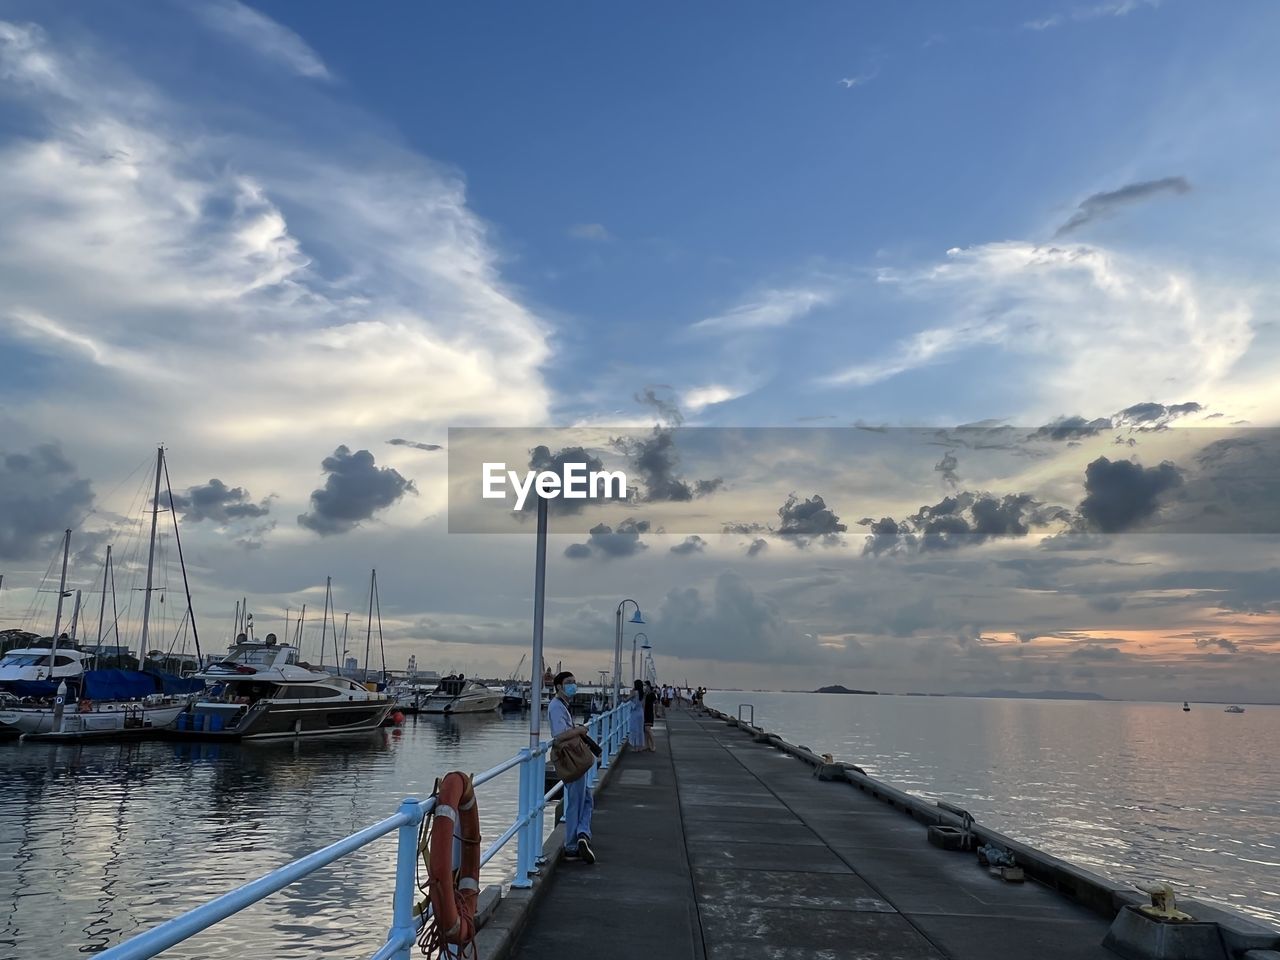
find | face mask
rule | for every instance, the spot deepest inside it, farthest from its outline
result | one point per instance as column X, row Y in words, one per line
column 570, row 689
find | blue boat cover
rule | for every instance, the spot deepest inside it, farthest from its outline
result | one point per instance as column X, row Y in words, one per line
column 173, row 684
column 118, row 684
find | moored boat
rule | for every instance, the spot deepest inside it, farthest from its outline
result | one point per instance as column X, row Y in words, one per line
column 1234, row 709
column 263, row 689
column 460, row 695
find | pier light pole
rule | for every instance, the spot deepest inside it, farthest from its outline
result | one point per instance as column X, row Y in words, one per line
column 617, row 647
column 633, row 655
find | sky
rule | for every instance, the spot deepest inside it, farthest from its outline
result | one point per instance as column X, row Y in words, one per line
column 939, row 338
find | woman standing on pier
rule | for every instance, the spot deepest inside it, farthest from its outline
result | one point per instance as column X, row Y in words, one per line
column 650, row 708
column 635, row 734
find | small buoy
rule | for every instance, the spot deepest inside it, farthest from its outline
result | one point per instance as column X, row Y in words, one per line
column 397, row 718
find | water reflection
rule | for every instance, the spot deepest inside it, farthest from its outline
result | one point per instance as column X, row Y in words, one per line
column 1130, row 790
column 104, row 840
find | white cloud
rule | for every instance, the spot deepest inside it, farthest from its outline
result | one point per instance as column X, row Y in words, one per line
column 697, row 399
column 1111, row 8
column 157, row 262
column 268, row 38
column 771, row 308
column 1089, row 328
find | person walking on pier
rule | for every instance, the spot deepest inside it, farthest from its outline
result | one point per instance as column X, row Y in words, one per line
column 635, row 733
column 578, row 802
column 650, row 709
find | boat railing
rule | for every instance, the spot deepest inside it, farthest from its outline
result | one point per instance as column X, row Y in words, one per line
column 607, row 729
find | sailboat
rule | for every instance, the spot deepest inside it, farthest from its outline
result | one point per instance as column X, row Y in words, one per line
column 104, row 704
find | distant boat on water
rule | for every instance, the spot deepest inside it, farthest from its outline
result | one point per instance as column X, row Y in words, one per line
column 1186, row 707
column 1234, row 709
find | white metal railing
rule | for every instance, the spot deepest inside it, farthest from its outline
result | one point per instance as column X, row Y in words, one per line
column 608, row 729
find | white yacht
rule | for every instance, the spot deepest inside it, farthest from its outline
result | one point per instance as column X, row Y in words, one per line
column 31, row 664
column 460, row 695
column 1234, row 709
column 262, row 689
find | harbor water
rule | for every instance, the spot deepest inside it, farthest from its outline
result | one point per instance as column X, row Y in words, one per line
column 1133, row 791
column 102, row 841
column 105, row 840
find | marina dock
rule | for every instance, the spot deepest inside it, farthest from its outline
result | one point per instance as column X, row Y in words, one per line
column 723, row 846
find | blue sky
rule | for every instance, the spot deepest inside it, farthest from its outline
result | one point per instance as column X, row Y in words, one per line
column 267, row 233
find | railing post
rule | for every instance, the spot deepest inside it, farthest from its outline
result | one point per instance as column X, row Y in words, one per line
column 402, row 925
column 525, row 855
column 607, row 727
column 539, row 809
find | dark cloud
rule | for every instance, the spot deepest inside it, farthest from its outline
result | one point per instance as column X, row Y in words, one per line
column 40, row 496
column 355, row 489
column 948, row 467
column 962, row 519
column 1096, row 652
column 217, row 502
column 1099, row 206
column 729, row 621
column 744, row 529
column 757, row 545
column 1149, row 417
column 541, row 458
column 667, row 410
column 1121, row 494
column 1222, row 643
column 1072, row 428
column 693, row 544
column 656, row 460
column 608, row 543
column 416, row 445
column 807, row 520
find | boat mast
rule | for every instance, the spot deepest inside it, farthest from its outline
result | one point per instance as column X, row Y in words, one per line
column 62, row 592
column 381, row 646
column 102, row 608
column 191, row 614
column 346, row 621
column 368, row 633
column 324, row 618
column 75, row 617
column 151, row 554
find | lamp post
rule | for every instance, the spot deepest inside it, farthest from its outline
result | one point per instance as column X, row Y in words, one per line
column 633, row 655
column 646, row 657
column 617, row 647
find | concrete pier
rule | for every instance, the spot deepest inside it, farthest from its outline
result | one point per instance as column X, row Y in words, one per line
column 721, row 846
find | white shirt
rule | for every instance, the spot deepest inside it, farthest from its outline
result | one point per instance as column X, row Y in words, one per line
column 559, row 716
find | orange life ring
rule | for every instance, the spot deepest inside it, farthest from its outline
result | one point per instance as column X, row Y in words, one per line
column 454, row 893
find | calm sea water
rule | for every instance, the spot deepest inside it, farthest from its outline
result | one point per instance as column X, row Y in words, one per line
column 1134, row 791
column 101, row 841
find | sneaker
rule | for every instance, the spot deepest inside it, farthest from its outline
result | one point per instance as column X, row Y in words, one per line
column 573, row 854
column 585, row 853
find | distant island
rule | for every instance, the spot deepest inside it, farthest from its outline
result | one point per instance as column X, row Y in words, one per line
column 837, row 688
column 1034, row 695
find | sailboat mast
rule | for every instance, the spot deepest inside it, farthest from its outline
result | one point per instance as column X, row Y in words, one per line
column 346, row 621
column 62, row 592
column 324, row 620
column 186, row 584
column 368, row 633
column 75, row 617
column 102, row 608
column 381, row 646
column 151, row 555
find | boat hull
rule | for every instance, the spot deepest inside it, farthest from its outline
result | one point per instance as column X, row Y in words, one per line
column 283, row 720
column 103, row 719
column 454, row 705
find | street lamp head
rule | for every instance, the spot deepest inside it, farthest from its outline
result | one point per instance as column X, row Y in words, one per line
column 636, row 618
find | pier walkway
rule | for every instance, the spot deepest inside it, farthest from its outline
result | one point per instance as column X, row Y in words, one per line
column 722, row 848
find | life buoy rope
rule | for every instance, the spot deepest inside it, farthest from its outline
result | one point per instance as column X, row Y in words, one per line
column 452, row 894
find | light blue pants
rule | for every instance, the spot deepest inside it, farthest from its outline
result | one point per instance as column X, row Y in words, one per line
column 578, row 805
